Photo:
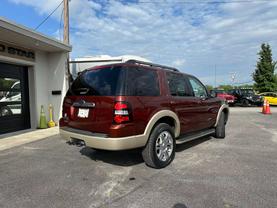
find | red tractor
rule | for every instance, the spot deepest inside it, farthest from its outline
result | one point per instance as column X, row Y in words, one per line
column 230, row 99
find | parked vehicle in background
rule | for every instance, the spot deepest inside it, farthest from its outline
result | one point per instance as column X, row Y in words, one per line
column 138, row 104
column 270, row 96
column 7, row 106
column 246, row 97
column 230, row 99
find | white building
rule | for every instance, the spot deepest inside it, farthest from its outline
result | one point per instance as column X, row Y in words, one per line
column 79, row 64
column 32, row 73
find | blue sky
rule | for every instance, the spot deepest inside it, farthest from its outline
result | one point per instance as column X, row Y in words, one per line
column 194, row 36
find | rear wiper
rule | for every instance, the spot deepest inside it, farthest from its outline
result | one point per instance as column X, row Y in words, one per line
column 82, row 91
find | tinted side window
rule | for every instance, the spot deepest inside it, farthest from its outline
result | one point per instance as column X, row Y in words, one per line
column 177, row 85
column 198, row 88
column 142, row 82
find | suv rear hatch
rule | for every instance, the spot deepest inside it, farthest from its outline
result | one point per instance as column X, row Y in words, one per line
column 89, row 103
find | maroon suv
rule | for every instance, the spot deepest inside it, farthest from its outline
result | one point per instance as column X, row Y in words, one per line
column 138, row 104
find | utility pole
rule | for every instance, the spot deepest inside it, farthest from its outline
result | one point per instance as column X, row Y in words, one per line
column 66, row 22
column 66, row 38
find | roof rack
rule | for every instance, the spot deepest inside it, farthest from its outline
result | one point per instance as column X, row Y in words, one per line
column 133, row 61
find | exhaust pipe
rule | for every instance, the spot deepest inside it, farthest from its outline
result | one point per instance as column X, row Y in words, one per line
column 77, row 142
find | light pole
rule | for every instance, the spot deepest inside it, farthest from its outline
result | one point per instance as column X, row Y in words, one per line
column 233, row 77
column 215, row 76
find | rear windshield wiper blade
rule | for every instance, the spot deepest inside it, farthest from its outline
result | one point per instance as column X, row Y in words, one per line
column 82, row 91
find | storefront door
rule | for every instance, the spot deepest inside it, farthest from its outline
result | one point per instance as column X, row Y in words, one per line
column 14, row 98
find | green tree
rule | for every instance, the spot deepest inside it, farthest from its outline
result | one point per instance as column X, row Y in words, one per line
column 225, row 87
column 248, row 86
column 265, row 80
column 209, row 87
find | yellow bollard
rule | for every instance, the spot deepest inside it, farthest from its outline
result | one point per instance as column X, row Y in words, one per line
column 51, row 123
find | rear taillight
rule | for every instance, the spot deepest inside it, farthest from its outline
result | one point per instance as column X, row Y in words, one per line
column 68, row 101
column 67, row 108
column 121, row 113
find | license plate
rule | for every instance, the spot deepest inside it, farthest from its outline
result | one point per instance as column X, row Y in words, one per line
column 83, row 113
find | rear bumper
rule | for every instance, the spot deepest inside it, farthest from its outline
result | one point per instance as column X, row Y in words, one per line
column 101, row 141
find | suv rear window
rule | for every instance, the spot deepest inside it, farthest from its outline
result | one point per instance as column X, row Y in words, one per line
column 99, row 82
column 117, row 80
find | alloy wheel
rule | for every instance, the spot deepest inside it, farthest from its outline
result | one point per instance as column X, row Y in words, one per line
column 164, row 146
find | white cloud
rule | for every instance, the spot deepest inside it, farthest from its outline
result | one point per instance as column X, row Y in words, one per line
column 41, row 6
column 193, row 37
column 179, row 62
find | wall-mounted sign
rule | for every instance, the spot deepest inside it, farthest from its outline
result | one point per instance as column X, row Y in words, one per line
column 13, row 51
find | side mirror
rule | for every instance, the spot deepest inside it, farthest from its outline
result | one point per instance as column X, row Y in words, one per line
column 204, row 97
column 212, row 95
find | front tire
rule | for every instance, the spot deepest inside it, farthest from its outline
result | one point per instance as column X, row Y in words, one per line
column 220, row 128
column 160, row 148
column 245, row 103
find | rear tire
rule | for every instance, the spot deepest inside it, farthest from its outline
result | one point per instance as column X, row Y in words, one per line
column 245, row 103
column 220, row 128
column 160, row 148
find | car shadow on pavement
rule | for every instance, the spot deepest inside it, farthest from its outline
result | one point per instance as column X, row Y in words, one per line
column 190, row 144
column 131, row 157
column 179, row 205
column 121, row 158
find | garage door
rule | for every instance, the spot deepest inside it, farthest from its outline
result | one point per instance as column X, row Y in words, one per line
column 14, row 98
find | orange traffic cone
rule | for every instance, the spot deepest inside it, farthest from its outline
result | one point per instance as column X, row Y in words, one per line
column 267, row 110
column 264, row 107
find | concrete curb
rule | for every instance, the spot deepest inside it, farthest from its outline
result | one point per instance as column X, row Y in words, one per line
column 8, row 141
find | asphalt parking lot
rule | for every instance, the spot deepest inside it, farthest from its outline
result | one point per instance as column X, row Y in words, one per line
column 239, row 171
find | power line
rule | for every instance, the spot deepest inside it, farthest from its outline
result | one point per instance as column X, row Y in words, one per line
column 48, row 16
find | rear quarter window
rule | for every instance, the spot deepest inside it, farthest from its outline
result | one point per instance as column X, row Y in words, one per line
column 142, row 82
column 177, row 85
